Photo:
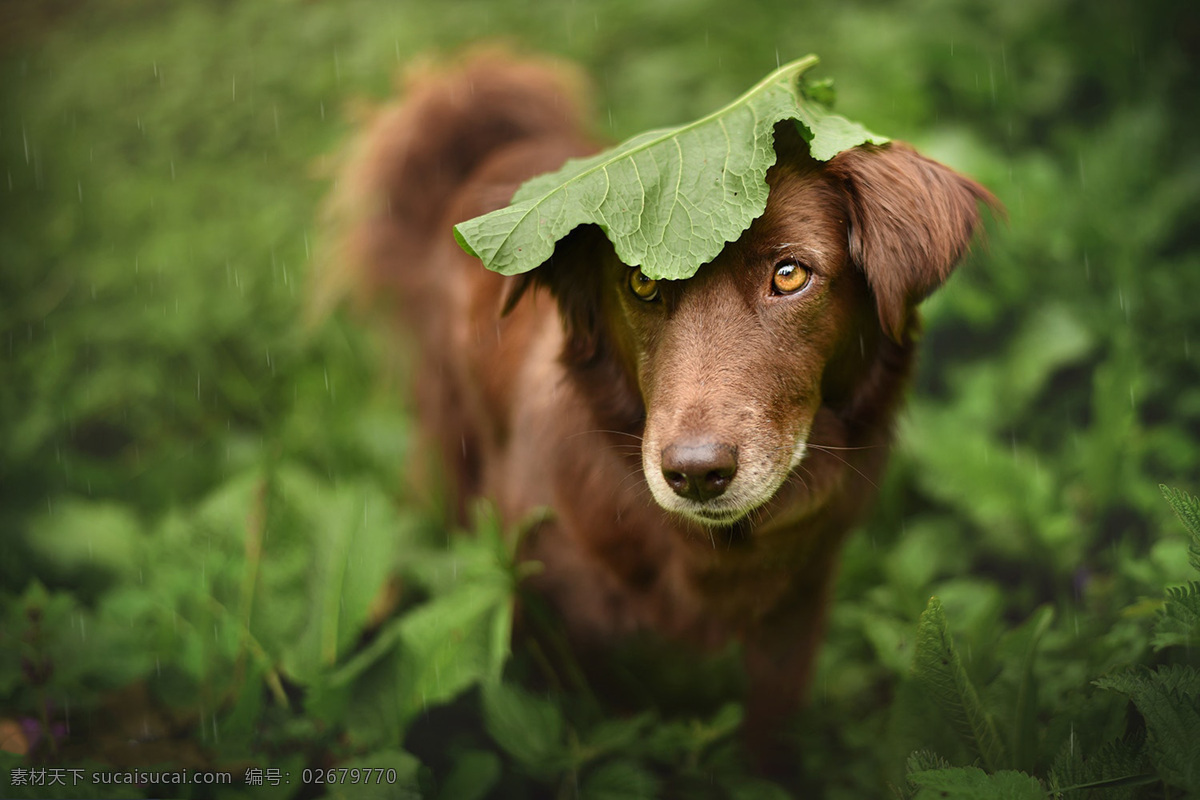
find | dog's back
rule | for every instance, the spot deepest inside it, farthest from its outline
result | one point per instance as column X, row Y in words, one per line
column 458, row 145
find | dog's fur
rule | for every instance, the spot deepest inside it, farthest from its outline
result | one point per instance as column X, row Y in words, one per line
column 705, row 453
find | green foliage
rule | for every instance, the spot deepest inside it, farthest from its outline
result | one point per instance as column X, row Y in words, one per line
column 972, row 783
column 1179, row 620
column 668, row 199
column 1187, row 508
column 938, row 667
column 1167, row 699
column 1113, row 772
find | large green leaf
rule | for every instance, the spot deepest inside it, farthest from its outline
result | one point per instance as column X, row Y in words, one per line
column 668, row 199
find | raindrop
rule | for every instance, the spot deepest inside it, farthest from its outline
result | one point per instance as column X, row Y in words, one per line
column 235, row 88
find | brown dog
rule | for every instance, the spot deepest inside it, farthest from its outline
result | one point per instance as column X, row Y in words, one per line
column 704, row 444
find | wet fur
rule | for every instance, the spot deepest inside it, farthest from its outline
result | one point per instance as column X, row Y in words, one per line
column 559, row 388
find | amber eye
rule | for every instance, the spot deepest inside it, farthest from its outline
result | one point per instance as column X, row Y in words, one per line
column 645, row 288
column 789, row 278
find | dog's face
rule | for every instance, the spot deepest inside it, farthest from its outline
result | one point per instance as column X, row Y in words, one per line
column 733, row 364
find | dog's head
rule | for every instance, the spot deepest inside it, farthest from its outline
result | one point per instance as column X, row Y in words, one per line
column 732, row 365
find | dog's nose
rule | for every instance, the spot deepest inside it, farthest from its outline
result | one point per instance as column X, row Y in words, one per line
column 699, row 470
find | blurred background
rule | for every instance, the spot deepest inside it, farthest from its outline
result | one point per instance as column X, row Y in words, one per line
column 203, row 511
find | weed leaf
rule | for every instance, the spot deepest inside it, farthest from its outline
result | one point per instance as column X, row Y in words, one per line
column 528, row 728
column 1111, row 773
column 1169, row 700
column 1187, row 508
column 474, row 774
column 619, row 780
column 972, row 783
column 1179, row 620
column 938, row 668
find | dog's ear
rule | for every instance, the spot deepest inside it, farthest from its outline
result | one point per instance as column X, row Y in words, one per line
column 574, row 275
column 911, row 220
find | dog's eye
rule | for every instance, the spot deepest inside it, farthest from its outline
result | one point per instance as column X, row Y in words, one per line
column 645, row 288
column 790, row 277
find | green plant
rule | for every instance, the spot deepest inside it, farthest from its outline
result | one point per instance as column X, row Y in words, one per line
column 1161, row 749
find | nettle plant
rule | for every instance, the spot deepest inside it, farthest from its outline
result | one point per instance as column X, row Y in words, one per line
column 1159, row 755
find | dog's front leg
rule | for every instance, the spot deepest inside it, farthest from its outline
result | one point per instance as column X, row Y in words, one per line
column 780, row 655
